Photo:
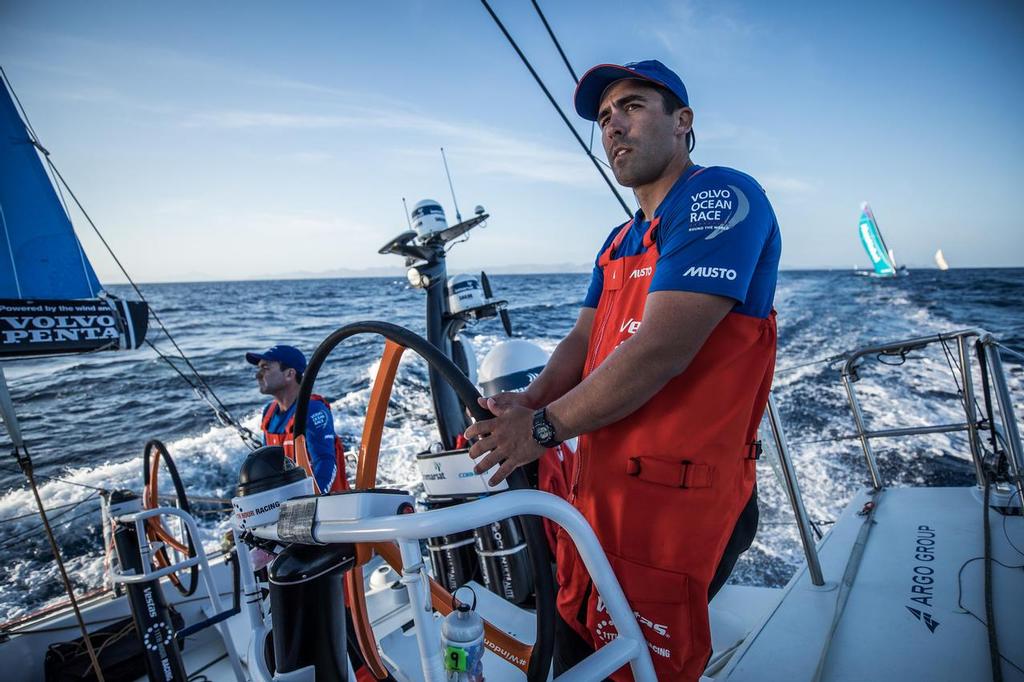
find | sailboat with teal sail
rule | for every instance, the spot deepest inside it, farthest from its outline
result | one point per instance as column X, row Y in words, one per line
column 883, row 259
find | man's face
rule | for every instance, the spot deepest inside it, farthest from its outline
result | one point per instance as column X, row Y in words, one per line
column 639, row 138
column 271, row 377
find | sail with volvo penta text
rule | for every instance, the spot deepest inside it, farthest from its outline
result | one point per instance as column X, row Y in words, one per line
column 882, row 257
column 51, row 301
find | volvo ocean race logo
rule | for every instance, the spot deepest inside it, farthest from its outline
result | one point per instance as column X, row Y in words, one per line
column 717, row 210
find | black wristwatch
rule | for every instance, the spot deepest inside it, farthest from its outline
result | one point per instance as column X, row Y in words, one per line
column 543, row 431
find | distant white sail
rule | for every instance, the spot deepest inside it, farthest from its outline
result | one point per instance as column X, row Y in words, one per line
column 940, row 261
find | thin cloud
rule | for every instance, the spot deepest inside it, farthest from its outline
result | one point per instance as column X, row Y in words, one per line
column 705, row 29
column 237, row 120
column 786, row 184
column 490, row 151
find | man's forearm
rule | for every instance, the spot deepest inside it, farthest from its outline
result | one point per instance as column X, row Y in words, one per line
column 676, row 325
column 618, row 387
column 561, row 374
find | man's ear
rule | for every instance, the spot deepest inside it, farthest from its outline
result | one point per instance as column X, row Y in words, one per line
column 684, row 121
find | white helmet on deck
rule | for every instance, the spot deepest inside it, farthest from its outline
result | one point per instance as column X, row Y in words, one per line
column 511, row 366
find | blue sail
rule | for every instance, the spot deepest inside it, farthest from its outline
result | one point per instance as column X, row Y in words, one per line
column 40, row 256
column 50, row 298
column 871, row 237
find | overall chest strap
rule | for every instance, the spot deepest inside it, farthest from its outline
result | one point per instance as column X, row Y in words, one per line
column 614, row 269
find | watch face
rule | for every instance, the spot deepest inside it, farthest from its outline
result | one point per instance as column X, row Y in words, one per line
column 543, row 432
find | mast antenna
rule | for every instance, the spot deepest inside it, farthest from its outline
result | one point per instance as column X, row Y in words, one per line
column 458, row 216
column 408, row 220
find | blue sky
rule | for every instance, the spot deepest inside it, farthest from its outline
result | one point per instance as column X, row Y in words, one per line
column 232, row 140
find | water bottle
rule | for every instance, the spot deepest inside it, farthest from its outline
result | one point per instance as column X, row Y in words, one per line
column 462, row 642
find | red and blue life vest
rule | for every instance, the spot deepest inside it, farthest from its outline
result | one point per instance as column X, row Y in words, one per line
column 286, row 440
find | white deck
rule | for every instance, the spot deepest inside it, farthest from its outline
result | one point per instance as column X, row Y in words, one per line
column 879, row 636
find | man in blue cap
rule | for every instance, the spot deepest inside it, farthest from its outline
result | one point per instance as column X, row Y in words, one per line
column 279, row 374
column 664, row 378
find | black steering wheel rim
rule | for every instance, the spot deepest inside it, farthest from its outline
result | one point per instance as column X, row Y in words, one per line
column 536, row 541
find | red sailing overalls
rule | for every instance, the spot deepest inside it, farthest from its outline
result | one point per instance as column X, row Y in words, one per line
column 287, row 441
column 663, row 487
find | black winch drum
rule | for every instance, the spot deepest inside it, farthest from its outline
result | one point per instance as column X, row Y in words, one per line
column 496, row 554
column 504, row 563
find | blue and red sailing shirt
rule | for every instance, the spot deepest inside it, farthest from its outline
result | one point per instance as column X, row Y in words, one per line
column 717, row 235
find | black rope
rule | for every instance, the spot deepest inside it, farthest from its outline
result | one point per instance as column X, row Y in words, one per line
column 526, row 62
column 25, row 461
column 986, row 394
column 1006, row 533
column 960, row 597
column 990, row 616
column 952, row 362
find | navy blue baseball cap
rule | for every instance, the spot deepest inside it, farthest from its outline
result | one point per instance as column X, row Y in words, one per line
column 596, row 81
column 288, row 356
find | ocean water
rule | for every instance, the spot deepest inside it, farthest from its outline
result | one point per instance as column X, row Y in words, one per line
column 86, row 418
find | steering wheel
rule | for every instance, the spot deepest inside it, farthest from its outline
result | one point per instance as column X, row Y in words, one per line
column 534, row 660
column 155, row 528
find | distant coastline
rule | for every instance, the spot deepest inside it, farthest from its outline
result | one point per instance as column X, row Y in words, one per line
column 527, row 269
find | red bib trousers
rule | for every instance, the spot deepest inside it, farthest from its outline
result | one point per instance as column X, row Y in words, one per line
column 663, row 487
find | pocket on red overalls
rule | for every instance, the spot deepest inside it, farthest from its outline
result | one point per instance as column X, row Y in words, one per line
column 660, row 600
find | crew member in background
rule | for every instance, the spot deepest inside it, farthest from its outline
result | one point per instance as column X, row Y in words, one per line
column 664, row 378
column 279, row 373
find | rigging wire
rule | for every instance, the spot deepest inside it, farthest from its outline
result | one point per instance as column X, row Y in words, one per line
column 1011, row 351
column 25, row 461
column 48, row 509
column 558, row 46
column 17, row 537
column 62, row 480
column 551, row 99
column 832, row 359
column 572, row 72
column 221, row 409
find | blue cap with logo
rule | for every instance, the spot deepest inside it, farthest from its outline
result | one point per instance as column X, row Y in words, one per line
column 288, row 356
column 596, row 81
